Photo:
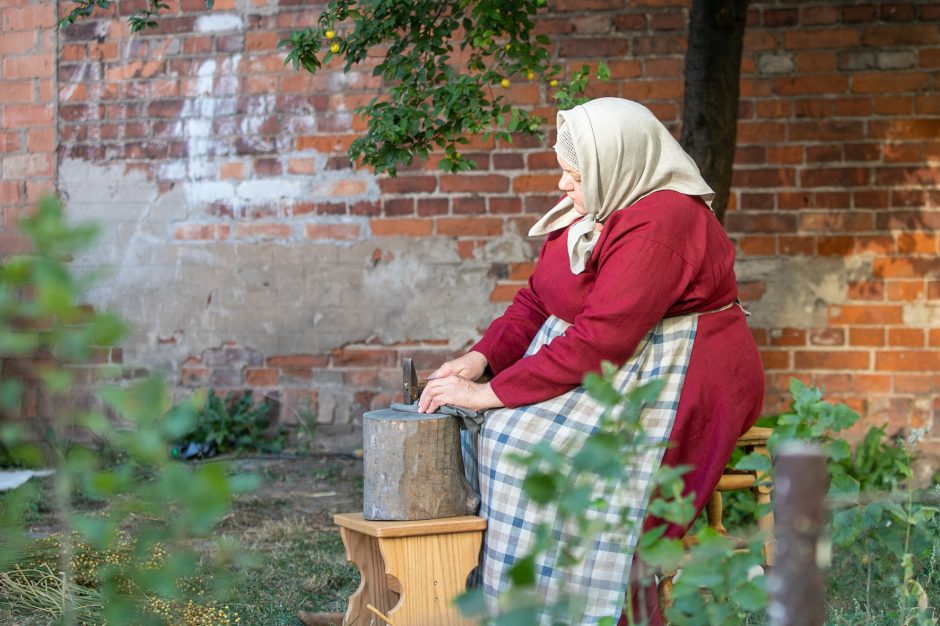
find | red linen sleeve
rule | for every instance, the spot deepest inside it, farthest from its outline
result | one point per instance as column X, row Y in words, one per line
column 507, row 338
column 638, row 280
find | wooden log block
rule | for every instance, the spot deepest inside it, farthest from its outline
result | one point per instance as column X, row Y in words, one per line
column 413, row 469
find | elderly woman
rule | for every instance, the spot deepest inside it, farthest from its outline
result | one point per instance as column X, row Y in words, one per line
column 636, row 270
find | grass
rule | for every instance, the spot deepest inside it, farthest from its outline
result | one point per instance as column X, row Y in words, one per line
column 296, row 558
column 299, row 563
column 299, row 569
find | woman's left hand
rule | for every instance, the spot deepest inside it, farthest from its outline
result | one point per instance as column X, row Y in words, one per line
column 456, row 391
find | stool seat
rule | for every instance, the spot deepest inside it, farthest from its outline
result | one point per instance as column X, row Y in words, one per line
column 411, row 570
column 410, row 528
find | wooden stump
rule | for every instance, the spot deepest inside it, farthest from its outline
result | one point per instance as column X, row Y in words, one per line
column 413, row 469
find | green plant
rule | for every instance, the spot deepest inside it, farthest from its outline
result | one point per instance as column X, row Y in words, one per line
column 236, row 423
column 147, row 500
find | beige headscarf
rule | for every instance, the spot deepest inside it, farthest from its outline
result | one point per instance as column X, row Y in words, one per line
column 623, row 153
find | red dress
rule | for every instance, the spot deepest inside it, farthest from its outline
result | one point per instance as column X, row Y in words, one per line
column 665, row 255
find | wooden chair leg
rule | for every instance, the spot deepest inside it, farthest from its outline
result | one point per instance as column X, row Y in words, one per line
column 713, row 512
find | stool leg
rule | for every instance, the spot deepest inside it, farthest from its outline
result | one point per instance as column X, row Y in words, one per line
column 665, row 596
column 766, row 521
column 713, row 511
column 363, row 551
column 432, row 570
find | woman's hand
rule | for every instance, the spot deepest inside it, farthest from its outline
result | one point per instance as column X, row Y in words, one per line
column 470, row 366
column 457, row 391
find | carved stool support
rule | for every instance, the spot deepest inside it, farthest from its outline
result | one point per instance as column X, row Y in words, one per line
column 411, row 570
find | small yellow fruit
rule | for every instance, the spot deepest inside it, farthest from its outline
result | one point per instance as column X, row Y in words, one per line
column 553, row 83
column 504, row 83
column 334, row 48
column 330, row 34
column 508, row 46
column 530, row 75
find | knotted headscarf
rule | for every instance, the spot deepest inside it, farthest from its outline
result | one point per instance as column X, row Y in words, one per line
column 623, row 153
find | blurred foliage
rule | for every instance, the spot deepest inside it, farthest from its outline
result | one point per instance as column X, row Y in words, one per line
column 149, row 501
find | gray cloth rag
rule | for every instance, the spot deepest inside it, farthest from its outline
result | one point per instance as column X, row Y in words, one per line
column 472, row 420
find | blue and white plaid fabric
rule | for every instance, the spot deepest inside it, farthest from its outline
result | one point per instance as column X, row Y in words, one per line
column 600, row 579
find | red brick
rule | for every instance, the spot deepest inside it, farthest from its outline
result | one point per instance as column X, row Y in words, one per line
column 933, row 339
column 905, row 267
column 751, row 291
column 831, row 360
column 787, row 337
column 504, row 292
column 906, row 337
column 297, row 361
column 775, row 359
column 905, row 290
column 593, row 47
column 336, row 232
column 264, row 231
column 894, row 36
column 469, row 226
column 871, row 383
column 408, row 184
column 908, row 360
column 433, row 206
column 401, row 227
column 866, row 290
column 521, row 271
column 835, row 246
column 797, row 246
column 889, row 82
column 819, row 15
column 261, row 377
column 29, row 17
column 827, row 337
column 867, row 336
column 360, row 357
column 836, row 38
column 501, row 206
column 644, row 90
column 758, row 245
column 201, row 232
column 469, row 206
column 916, row 243
column 866, row 314
column 913, row 383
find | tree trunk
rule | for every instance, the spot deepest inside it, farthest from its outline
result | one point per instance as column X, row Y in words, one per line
column 412, row 467
column 712, row 74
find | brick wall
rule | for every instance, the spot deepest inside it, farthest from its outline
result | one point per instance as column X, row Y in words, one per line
column 27, row 111
column 250, row 253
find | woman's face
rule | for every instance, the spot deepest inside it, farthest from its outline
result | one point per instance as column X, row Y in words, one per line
column 570, row 183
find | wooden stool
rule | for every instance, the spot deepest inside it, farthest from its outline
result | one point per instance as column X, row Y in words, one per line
column 411, row 570
column 754, row 440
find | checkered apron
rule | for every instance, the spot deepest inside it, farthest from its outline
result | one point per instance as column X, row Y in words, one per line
column 600, row 579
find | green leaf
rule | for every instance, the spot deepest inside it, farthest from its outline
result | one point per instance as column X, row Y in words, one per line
column 471, row 603
column 541, row 487
column 754, row 462
column 751, row 596
column 522, row 572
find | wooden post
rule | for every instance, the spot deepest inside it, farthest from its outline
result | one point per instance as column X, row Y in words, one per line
column 796, row 583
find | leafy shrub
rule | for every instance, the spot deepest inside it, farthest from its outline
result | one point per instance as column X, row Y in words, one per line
column 235, row 424
column 147, row 502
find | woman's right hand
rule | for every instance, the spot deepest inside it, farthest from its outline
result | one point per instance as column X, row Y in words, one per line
column 469, row 366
